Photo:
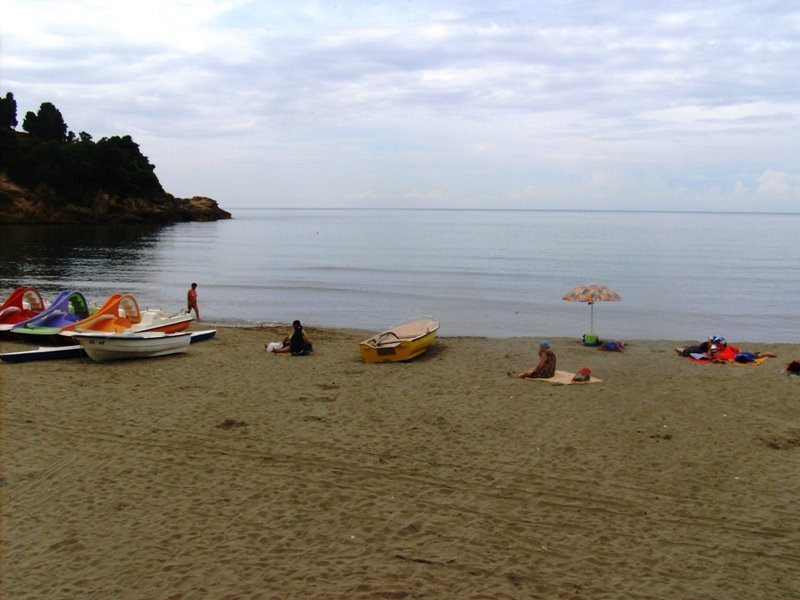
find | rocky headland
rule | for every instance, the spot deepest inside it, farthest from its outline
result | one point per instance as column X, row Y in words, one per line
column 19, row 205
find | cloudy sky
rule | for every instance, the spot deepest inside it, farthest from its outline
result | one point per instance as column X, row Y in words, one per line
column 600, row 104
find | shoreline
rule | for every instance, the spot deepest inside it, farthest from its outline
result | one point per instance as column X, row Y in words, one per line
column 284, row 328
column 789, row 350
column 256, row 324
column 228, row 471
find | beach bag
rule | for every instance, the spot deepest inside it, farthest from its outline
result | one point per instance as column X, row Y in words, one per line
column 793, row 368
column 582, row 375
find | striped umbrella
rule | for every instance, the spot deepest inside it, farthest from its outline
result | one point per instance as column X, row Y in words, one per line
column 592, row 293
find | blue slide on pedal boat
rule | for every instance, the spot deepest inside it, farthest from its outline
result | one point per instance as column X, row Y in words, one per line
column 69, row 307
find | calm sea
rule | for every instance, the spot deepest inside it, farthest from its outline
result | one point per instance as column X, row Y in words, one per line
column 497, row 273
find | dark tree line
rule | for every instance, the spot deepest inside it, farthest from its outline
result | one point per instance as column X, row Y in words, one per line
column 66, row 168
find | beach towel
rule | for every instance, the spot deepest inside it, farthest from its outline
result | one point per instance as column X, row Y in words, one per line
column 564, row 378
column 706, row 360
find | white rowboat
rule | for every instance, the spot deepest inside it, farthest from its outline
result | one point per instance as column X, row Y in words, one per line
column 104, row 347
column 76, row 351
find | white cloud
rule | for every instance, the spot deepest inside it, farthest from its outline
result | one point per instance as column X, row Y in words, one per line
column 601, row 103
column 775, row 183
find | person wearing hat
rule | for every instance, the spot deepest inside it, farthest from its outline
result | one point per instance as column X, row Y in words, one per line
column 546, row 367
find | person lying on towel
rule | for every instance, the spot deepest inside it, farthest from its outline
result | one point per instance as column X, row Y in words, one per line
column 715, row 349
column 612, row 346
column 720, row 351
column 700, row 348
column 747, row 357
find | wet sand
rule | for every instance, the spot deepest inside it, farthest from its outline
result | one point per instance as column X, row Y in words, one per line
column 228, row 472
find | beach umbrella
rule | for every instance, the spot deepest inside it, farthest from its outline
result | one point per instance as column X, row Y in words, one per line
column 592, row 293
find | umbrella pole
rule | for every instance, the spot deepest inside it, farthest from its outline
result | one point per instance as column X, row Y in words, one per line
column 591, row 318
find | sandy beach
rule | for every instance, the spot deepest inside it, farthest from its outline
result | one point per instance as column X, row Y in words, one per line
column 228, row 472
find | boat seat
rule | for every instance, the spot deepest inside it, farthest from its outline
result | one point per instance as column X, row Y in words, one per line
column 8, row 310
column 392, row 344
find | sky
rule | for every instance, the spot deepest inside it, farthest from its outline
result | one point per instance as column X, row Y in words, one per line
column 584, row 105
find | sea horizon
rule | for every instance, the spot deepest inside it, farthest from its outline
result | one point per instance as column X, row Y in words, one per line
column 482, row 272
column 532, row 210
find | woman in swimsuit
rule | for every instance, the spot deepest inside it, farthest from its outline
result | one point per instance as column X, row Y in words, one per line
column 191, row 301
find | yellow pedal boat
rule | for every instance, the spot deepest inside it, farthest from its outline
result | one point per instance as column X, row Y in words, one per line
column 401, row 342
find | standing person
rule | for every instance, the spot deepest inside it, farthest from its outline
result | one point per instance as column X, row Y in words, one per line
column 191, row 301
column 546, row 367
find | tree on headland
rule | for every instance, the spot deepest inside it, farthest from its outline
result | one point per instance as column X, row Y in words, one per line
column 75, row 178
column 75, row 169
column 8, row 112
column 124, row 170
column 47, row 124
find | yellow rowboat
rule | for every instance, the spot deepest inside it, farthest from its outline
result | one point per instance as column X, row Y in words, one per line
column 402, row 342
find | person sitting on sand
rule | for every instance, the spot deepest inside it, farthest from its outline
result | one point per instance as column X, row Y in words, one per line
column 546, row 367
column 296, row 343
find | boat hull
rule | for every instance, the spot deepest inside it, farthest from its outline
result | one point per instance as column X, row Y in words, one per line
column 41, row 335
column 56, row 353
column 77, row 351
column 400, row 343
column 103, row 348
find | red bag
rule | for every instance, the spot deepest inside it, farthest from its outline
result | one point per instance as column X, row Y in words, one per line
column 583, row 375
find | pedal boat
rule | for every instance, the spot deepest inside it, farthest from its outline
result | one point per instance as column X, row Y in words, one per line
column 22, row 304
column 76, row 351
column 120, row 314
column 401, row 342
column 68, row 308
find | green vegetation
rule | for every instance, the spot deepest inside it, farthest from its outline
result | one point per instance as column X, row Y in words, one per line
column 50, row 175
column 63, row 168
